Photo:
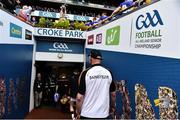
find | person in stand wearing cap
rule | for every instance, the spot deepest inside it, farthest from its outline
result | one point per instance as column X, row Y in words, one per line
column 122, row 6
column 95, row 87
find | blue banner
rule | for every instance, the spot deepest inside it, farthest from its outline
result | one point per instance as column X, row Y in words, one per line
column 15, row 31
column 62, row 47
column 47, row 14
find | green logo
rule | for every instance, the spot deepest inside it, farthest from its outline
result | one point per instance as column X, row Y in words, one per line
column 112, row 36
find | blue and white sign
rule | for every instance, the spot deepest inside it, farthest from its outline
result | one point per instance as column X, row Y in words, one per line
column 63, row 47
column 149, row 39
column 81, row 18
column 149, row 31
column 60, row 33
column 15, row 31
column 47, row 14
column 57, row 15
column 12, row 30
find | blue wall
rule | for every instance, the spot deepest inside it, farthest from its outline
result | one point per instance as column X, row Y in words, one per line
column 16, row 66
column 150, row 71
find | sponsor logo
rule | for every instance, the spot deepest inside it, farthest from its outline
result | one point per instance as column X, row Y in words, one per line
column 1, row 23
column 15, row 31
column 90, row 39
column 149, row 20
column 28, row 35
column 47, row 14
column 99, row 38
column 80, row 18
column 113, row 36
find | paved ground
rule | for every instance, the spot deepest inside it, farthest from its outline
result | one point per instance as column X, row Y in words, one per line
column 48, row 113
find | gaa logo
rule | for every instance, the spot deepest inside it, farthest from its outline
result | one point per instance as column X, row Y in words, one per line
column 149, row 20
column 58, row 45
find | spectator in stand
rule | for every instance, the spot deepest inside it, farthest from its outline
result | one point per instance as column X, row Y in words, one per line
column 71, row 27
column 63, row 11
column 10, row 4
column 95, row 21
column 33, row 21
column 104, row 18
column 88, row 23
column 24, row 13
column 122, row 6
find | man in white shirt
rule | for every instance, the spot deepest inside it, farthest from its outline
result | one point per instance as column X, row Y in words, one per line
column 96, row 87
